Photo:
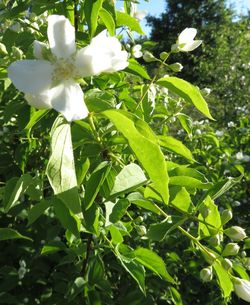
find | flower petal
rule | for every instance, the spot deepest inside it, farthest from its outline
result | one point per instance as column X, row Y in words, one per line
column 40, row 101
column 67, row 98
column 103, row 54
column 187, row 35
column 61, row 35
column 191, row 46
column 31, row 76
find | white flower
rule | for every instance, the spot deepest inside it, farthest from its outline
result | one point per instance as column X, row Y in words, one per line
column 186, row 42
column 242, row 288
column 52, row 83
column 136, row 51
column 139, row 15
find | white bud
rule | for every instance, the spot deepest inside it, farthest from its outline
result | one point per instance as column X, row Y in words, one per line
column 3, row 50
column 235, row 233
column 149, row 57
column 242, row 288
column 231, row 249
column 141, row 230
column 136, row 51
column 226, row 264
column 176, row 67
column 39, row 49
column 206, row 274
column 226, row 215
column 18, row 53
column 215, row 240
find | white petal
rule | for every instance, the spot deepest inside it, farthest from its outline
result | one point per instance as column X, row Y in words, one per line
column 40, row 101
column 31, row 76
column 61, row 35
column 104, row 54
column 139, row 15
column 187, row 35
column 191, row 46
column 67, row 98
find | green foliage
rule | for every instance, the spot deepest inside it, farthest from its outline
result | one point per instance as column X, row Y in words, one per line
column 124, row 206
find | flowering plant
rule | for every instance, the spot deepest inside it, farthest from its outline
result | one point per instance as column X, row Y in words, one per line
column 102, row 199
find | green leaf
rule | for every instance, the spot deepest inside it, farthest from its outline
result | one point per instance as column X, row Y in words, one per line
column 91, row 219
column 128, row 179
column 123, row 19
column 94, row 183
column 222, row 187
column 6, row 233
column 144, row 144
column 115, row 211
column 158, row 231
column 14, row 189
column 187, row 91
column 91, row 11
column 134, row 269
column 35, row 117
column 176, row 296
column 187, row 181
column 135, row 68
column 52, row 247
column 115, row 234
column 186, row 122
column 67, row 219
column 139, row 200
column 97, row 100
column 224, row 279
column 61, row 169
column 108, row 20
column 176, row 146
column 213, row 220
column 181, row 199
column 152, row 261
column 37, row 211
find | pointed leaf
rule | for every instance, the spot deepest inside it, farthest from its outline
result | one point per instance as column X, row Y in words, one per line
column 153, row 261
column 129, row 178
column 176, row 146
column 91, row 11
column 123, row 19
column 187, row 91
column 61, row 169
column 6, row 233
column 144, row 144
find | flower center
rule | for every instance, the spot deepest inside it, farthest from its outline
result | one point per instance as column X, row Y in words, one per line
column 64, row 69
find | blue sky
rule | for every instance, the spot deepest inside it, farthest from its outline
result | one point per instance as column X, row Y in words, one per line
column 155, row 7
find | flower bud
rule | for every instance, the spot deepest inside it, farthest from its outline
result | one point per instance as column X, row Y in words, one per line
column 164, row 55
column 3, row 50
column 206, row 274
column 39, row 49
column 17, row 53
column 226, row 215
column 226, row 264
column 231, row 249
column 136, row 51
column 206, row 91
column 205, row 211
column 215, row 240
column 242, row 288
column 235, row 233
column 176, row 67
column 149, row 57
column 141, row 230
